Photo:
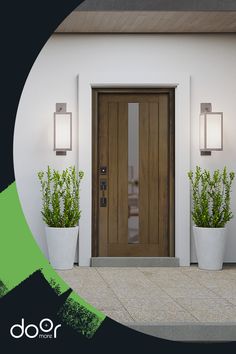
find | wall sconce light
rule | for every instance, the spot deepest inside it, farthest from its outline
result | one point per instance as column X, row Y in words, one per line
column 62, row 130
column 211, row 130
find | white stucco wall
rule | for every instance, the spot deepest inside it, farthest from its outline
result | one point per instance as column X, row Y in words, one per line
column 208, row 59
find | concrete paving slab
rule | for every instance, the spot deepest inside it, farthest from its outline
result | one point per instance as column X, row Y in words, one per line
column 176, row 303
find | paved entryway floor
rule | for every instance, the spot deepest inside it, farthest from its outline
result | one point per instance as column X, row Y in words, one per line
column 151, row 295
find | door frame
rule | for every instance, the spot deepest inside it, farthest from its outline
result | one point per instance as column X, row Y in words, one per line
column 95, row 175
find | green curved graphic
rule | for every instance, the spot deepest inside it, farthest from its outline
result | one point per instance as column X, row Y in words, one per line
column 20, row 256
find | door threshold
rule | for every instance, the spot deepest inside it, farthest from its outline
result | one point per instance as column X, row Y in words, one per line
column 134, row 262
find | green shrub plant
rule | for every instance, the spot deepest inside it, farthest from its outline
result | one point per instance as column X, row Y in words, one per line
column 60, row 196
column 211, row 197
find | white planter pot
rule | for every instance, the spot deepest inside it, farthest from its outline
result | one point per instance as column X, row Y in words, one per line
column 61, row 244
column 210, row 247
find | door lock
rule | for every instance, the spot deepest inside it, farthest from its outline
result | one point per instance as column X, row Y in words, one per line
column 103, row 202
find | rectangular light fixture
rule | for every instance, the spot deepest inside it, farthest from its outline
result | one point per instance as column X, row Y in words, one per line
column 62, row 130
column 211, row 130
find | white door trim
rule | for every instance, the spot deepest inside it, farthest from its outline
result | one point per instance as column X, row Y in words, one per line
column 182, row 150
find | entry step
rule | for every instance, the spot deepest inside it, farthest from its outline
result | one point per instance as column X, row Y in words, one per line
column 134, row 262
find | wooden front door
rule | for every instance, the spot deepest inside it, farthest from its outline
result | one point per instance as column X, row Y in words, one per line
column 133, row 173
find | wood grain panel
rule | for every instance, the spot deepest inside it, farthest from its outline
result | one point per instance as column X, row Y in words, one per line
column 171, row 174
column 143, row 173
column 135, row 250
column 153, row 173
column 148, row 22
column 112, row 170
column 163, row 174
column 156, row 173
column 123, row 172
column 103, row 119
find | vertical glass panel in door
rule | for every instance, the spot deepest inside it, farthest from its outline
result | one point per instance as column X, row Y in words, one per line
column 133, row 172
